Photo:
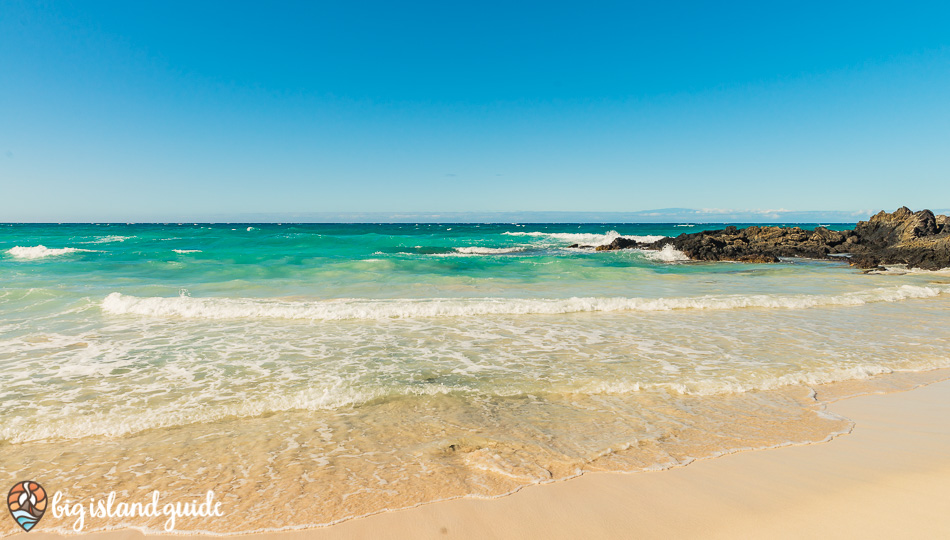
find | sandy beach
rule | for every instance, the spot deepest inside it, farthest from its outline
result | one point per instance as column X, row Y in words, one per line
column 889, row 477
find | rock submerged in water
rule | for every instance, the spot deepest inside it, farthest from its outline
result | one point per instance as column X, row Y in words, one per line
column 916, row 239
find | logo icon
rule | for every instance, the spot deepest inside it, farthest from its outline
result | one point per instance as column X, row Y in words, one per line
column 27, row 504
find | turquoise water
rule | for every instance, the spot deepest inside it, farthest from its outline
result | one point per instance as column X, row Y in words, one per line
column 389, row 344
column 331, row 261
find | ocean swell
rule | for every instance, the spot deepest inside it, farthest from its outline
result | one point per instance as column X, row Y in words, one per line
column 328, row 310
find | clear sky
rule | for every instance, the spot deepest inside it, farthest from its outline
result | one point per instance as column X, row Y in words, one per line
column 147, row 110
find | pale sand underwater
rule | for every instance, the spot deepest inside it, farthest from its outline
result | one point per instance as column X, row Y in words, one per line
column 888, row 478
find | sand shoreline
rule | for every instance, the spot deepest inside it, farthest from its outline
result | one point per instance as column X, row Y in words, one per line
column 885, row 478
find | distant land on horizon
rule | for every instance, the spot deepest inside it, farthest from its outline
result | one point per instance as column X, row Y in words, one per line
column 663, row 215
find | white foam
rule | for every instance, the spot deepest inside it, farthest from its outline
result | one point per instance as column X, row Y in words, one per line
column 762, row 382
column 475, row 250
column 40, row 252
column 113, row 425
column 667, row 254
column 712, row 387
column 902, row 269
column 250, row 308
column 647, row 239
column 108, row 239
column 584, row 239
column 187, row 250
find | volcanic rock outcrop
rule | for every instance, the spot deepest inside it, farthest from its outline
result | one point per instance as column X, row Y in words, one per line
column 916, row 239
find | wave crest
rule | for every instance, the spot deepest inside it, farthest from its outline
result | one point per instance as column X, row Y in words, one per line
column 328, row 310
column 584, row 239
column 108, row 239
column 667, row 254
column 476, row 250
column 40, row 252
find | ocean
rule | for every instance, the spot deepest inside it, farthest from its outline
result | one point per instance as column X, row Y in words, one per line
column 310, row 373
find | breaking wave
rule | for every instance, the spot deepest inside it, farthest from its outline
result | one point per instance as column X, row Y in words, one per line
column 40, row 252
column 328, row 310
column 584, row 239
column 108, row 239
column 667, row 254
column 475, row 250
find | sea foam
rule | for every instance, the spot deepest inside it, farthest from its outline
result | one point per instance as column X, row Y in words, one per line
column 328, row 310
column 116, row 425
column 476, row 250
column 667, row 254
column 584, row 239
column 108, row 239
column 40, row 252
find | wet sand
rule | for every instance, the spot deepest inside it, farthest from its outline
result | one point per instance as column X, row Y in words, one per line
column 890, row 477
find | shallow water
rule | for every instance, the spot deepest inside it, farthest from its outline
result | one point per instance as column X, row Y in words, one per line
column 349, row 369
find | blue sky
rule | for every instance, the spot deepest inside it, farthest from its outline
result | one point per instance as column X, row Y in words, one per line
column 167, row 110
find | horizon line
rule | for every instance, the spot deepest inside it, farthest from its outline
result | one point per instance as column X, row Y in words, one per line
column 655, row 216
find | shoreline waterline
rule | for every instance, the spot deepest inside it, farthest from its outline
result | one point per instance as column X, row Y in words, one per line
column 835, row 393
column 820, row 397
